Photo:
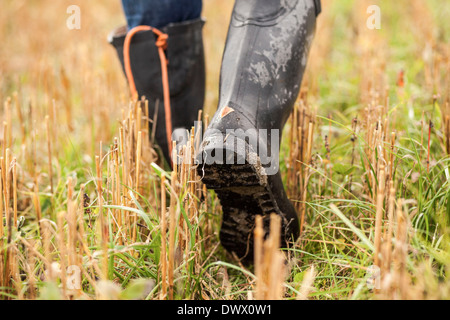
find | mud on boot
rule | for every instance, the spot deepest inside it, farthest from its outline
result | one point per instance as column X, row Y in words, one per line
column 245, row 190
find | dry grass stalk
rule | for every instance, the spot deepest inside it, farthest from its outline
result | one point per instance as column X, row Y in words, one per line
column 259, row 242
column 103, row 228
column 48, row 252
column 72, row 232
column 15, row 272
column 172, row 230
column 388, row 243
column 306, row 176
column 31, row 261
column 2, row 232
column 118, row 190
column 5, row 137
column 67, row 94
column 14, row 170
column 307, row 284
column 395, row 282
column 379, row 218
column 391, row 157
column 137, row 181
column 163, row 226
column 7, row 192
column 269, row 261
column 300, row 155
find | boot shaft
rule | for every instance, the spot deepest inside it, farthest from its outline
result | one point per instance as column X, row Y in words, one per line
column 186, row 72
column 184, row 52
column 265, row 57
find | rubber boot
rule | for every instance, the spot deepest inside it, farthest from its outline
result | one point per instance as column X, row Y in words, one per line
column 262, row 68
column 186, row 71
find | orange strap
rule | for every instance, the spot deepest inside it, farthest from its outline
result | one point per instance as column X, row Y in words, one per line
column 161, row 43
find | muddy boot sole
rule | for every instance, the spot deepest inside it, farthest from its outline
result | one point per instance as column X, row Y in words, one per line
column 243, row 191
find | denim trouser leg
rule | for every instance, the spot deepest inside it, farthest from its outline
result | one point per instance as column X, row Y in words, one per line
column 159, row 13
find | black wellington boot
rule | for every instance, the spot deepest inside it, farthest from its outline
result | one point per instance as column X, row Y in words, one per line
column 263, row 64
column 186, row 72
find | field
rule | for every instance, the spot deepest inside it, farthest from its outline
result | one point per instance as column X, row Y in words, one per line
column 364, row 159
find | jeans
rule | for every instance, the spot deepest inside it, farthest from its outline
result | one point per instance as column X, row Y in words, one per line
column 159, row 13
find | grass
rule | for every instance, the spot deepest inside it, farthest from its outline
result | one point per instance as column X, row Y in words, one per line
column 364, row 159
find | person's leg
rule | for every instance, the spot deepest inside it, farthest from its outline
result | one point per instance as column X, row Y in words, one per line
column 262, row 68
column 159, row 13
column 180, row 21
